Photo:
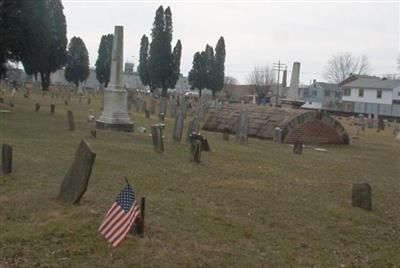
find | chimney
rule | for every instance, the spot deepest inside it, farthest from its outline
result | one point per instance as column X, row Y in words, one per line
column 294, row 82
column 284, row 79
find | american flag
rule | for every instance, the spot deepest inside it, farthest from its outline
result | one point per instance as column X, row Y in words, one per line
column 120, row 218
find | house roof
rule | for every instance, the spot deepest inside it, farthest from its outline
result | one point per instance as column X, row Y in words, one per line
column 373, row 83
column 355, row 77
column 328, row 86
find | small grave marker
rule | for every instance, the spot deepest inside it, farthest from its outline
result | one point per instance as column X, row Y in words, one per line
column 93, row 133
column 147, row 114
column 225, row 134
column 205, row 146
column 71, row 122
column 361, row 196
column 298, row 147
column 195, row 151
column 76, row 180
column 194, row 126
column 6, row 158
column 52, row 108
column 157, row 136
column 242, row 125
column 178, row 127
column 37, row 107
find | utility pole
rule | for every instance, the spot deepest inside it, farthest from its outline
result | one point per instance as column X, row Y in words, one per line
column 277, row 67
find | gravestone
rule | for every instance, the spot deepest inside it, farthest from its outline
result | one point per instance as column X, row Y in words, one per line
column 277, row 135
column 183, row 107
column 178, row 127
column 163, row 109
column 89, row 101
column 225, row 134
column 161, row 117
column 242, row 126
column 6, row 158
column 357, row 132
column 146, row 114
column 173, row 108
column 157, row 136
column 93, row 133
column 37, row 107
column 66, row 102
column 153, row 104
column 52, row 108
column 381, row 124
column 1, row 100
column 194, row 126
column 71, row 123
column 205, row 146
column 298, row 147
column 361, row 196
column 76, row 180
column 195, row 151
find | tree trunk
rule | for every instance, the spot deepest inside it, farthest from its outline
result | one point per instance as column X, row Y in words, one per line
column 200, row 93
column 164, row 92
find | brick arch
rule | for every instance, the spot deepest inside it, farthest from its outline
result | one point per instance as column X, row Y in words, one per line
column 314, row 132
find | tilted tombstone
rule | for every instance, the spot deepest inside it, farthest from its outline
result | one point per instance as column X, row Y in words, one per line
column 298, row 147
column 194, row 126
column 178, row 127
column 157, row 136
column 37, row 107
column 195, row 151
column 242, row 126
column 6, row 158
column 52, row 108
column 71, row 123
column 76, row 180
column 361, row 196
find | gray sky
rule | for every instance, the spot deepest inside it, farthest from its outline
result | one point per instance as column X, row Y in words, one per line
column 256, row 33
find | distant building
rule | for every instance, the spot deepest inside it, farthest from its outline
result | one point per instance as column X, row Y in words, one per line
column 372, row 96
column 320, row 95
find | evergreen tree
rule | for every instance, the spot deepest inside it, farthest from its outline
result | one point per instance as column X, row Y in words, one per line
column 77, row 69
column 209, row 62
column 103, row 63
column 218, row 71
column 162, row 67
column 198, row 73
column 143, row 68
column 176, row 63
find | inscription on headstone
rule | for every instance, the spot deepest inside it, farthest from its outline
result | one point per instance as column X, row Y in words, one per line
column 76, row 180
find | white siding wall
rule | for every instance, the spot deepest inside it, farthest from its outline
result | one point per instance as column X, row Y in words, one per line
column 370, row 96
column 396, row 93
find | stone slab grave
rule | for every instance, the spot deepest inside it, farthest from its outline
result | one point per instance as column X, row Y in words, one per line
column 52, row 108
column 195, row 151
column 361, row 196
column 6, row 158
column 157, row 137
column 178, row 127
column 71, row 122
column 242, row 126
column 298, row 147
column 205, row 146
column 76, row 181
column 194, row 127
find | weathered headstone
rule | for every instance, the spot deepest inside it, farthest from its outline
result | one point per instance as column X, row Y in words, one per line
column 93, row 133
column 178, row 127
column 225, row 134
column 89, row 101
column 153, row 104
column 52, row 108
column 361, row 196
column 1, row 100
column 298, row 147
column 6, row 158
column 157, row 136
column 146, row 114
column 37, row 107
column 66, row 102
column 195, row 151
column 161, row 116
column 242, row 126
column 205, row 146
column 76, row 180
column 163, row 109
column 381, row 124
column 194, row 126
column 172, row 108
column 71, row 123
column 277, row 135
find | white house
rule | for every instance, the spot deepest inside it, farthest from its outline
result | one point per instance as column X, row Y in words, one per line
column 372, row 96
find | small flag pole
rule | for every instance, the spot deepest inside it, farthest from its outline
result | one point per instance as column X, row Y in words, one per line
column 140, row 224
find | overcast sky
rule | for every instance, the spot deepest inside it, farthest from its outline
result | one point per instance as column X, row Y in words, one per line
column 255, row 33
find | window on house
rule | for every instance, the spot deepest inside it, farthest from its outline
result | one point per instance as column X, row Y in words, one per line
column 379, row 94
column 326, row 93
column 314, row 93
column 346, row 92
column 397, row 102
column 337, row 94
column 361, row 92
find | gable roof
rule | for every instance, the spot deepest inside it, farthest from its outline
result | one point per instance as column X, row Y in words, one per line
column 328, row 86
column 355, row 77
column 373, row 83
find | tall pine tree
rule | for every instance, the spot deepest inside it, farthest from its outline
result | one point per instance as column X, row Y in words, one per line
column 218, row 68
column 103, row 62
column 77, row 69
column 143, row 67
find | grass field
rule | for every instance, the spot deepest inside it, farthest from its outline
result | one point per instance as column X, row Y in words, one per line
column 255, row 205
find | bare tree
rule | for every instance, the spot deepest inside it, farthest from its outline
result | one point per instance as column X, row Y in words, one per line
column 262, row 80
column 342, row 65
column 229, row 80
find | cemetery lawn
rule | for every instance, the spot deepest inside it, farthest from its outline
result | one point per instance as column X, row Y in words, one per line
column 255, row 205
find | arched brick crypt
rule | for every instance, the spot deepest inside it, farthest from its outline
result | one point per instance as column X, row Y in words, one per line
column 312, row 127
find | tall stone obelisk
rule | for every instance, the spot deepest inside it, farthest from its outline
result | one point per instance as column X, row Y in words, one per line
column 115, row 109
column 292, row 100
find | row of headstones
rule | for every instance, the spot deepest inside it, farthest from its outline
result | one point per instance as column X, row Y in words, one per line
column 76, row 181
